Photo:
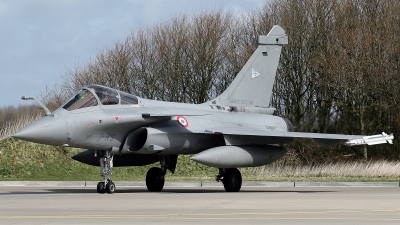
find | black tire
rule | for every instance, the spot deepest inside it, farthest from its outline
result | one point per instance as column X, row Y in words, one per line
column 101, row 188
column 110, row 187
column 154, row 179
column 232, row 180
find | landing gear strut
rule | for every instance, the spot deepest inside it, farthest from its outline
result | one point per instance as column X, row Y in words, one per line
column 231, row 178
column 106, row 163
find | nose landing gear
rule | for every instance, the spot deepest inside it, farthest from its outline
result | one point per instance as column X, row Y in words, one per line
column 106, row 164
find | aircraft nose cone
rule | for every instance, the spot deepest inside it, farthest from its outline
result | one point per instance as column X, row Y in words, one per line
column 48, row 130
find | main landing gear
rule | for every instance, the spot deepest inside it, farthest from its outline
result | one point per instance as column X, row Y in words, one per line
column 106, row 163
column 155, row 177
column 231, row 178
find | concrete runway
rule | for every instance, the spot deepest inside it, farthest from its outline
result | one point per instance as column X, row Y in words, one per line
column 204, row 205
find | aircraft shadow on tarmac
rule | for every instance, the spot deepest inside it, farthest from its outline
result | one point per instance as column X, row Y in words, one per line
column 127, row 190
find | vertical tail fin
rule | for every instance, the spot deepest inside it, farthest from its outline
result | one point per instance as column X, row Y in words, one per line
column 252, row 87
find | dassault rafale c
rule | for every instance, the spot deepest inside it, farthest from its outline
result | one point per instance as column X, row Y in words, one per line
column 236, row 129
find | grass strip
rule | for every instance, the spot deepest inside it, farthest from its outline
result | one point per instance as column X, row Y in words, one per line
column 21, row 160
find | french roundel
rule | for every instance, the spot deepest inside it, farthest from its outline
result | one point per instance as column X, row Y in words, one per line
column 182, row 121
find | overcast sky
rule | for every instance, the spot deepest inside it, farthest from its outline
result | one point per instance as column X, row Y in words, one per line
column 41, row 39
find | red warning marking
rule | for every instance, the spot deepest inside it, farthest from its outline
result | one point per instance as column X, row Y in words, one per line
column 116, row 118
column 182, row 121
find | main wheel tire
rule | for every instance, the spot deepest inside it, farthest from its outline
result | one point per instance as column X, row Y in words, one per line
column 101, row 188
column 232, row 180
column 110, row 187
column 154, row 179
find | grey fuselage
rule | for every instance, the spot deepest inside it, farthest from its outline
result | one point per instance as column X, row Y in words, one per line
column 105, row 127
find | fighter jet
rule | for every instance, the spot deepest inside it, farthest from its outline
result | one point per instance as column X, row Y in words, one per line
column 236, row 129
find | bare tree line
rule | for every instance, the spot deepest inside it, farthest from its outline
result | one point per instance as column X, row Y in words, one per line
column 339, row 73
column 344, row 73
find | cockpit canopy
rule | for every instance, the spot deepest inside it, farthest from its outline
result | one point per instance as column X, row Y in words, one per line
column 94, row 95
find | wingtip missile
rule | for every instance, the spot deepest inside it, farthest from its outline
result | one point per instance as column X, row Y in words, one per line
column 372, row 140
column 26, row 97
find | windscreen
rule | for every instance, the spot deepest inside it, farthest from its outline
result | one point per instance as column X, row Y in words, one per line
column 82, row 99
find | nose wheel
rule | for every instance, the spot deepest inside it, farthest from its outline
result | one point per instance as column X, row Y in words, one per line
column 108, row 187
